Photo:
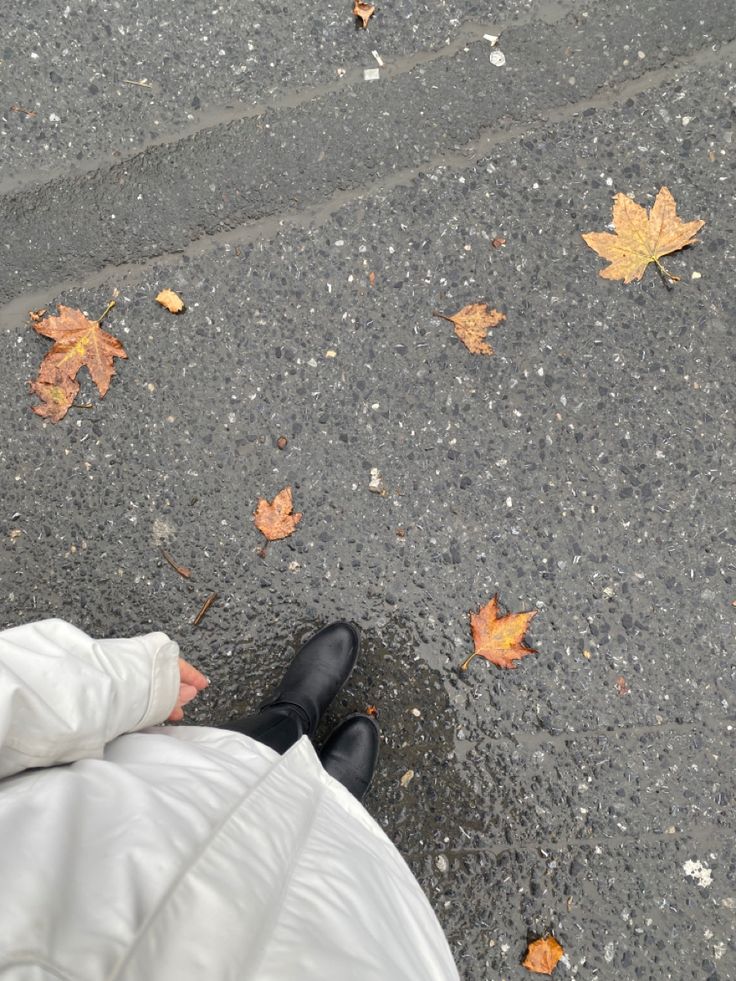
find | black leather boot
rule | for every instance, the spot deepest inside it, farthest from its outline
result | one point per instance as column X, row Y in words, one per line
column 351, row 753
column 317, row 673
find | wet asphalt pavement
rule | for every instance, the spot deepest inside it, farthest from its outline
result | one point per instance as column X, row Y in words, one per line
column 312, row 221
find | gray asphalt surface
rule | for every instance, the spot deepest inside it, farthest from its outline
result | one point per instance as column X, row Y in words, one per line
column 586, row 470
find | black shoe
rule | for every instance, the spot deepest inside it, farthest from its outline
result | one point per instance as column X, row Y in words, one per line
column 318, row 672
column 351, row 753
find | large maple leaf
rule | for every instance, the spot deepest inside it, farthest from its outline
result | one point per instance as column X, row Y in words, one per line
column 642, row 237
column 499, row 639
column 80, row 342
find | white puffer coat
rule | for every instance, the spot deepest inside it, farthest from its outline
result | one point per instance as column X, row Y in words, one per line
column 180, row 852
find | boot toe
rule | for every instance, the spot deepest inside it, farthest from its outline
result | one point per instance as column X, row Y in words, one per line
column 351, row 753
column 319, row 670
column 337, row 643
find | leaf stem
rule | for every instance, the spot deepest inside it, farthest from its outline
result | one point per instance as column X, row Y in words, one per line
column 181, row 569
column 667, row 277
column 436, row 313
column 205, row 606
column 108, row 308
column 466, row 662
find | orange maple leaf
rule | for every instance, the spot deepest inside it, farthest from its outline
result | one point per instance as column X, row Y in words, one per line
column 472, row 324
column 499, row 639
column 274, row 519
column 542, row 955
column 80, row 342
column 642, row 237
column 364, row 11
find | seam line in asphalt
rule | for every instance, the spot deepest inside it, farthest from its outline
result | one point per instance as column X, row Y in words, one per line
column 468, row 32
column 703, row 834
column 318, row 213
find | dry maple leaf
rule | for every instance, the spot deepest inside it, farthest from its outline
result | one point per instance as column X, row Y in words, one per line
column 364, row 11
column 274, row 519
column 80, row 342
column 642, row 237
column 171, row 300
column 542, row 955
column 499, row 639
column 472, row 324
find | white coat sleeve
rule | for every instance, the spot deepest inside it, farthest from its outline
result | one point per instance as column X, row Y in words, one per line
column 64, row 695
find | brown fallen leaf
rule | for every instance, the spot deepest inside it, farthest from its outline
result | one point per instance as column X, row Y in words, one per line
column 171, row 301
column 372, row 278
column 26, row 112
column 498, row 242
column 543, row 955
column 642, row 237
column 407, row 778
column 364, row 11
column 499, row 639
column 80, row 342
column 274, row 519
column 37, row 315
column 472, row 324
column 372, row 711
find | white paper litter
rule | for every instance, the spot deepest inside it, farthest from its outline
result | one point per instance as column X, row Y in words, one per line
column 371, row 74
column 497, row 58
column 493, row 38
column 378, row 58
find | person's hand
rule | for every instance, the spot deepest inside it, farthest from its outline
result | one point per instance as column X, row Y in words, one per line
column 192, row 683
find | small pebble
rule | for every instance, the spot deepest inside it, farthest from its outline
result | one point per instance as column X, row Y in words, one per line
column 281, row 442
column 497, row 58
column 407, row 778
column 376, row 485
column 442, row 863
